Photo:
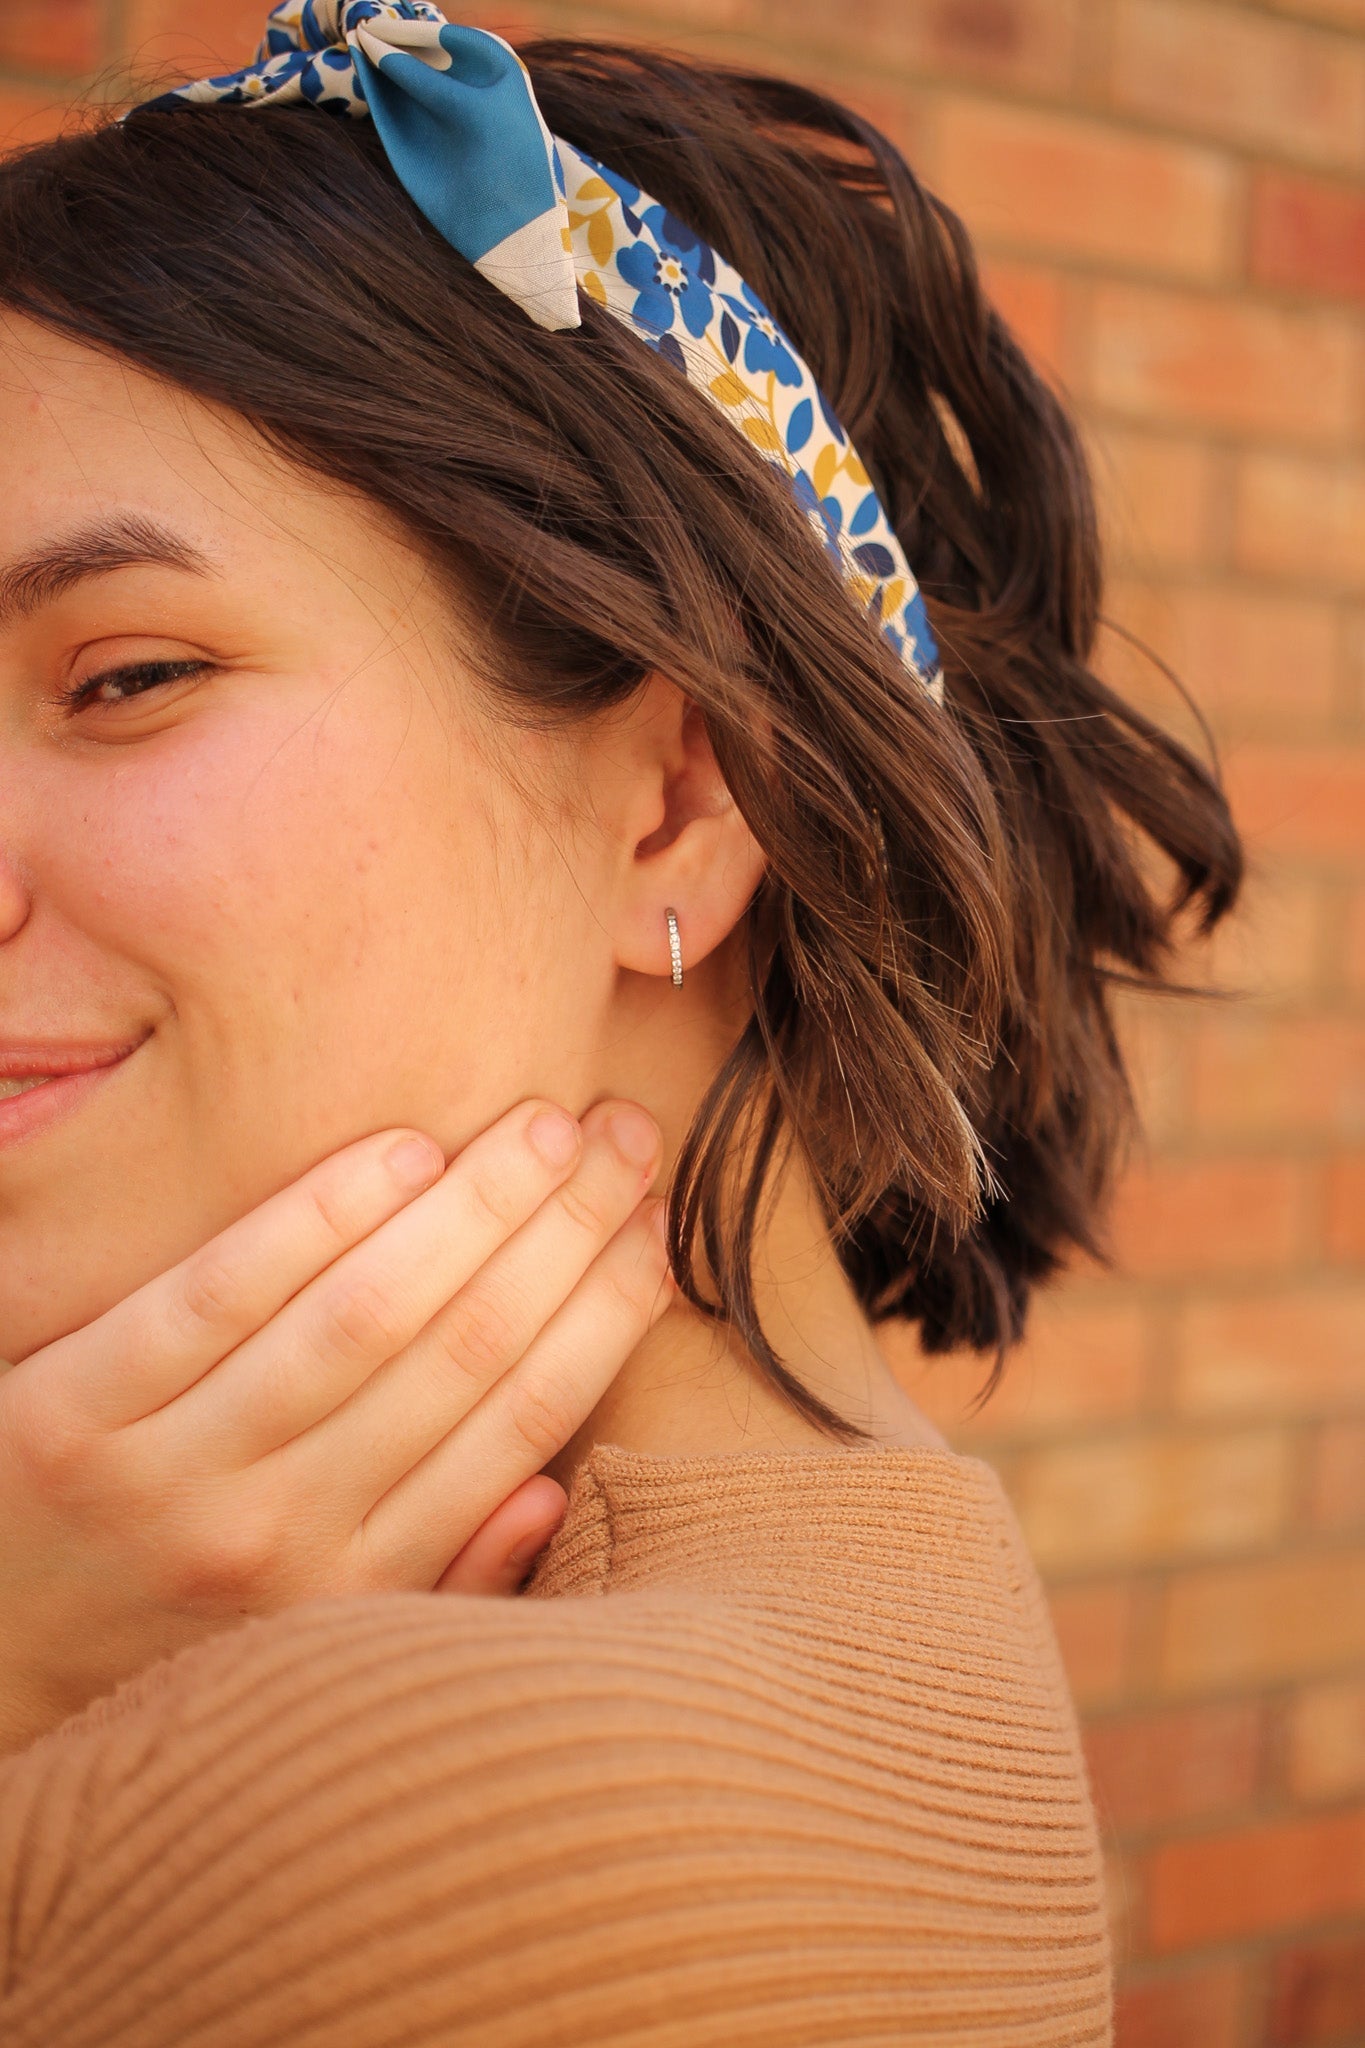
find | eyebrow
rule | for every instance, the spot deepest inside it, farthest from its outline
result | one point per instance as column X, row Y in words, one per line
column 124, row 541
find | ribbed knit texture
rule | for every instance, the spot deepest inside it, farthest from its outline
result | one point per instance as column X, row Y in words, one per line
column 807, row 1776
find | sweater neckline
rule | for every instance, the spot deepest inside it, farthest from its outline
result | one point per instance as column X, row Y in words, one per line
column 757, row 1516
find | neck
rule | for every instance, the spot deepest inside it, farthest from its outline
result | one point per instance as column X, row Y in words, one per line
column 692, row 1389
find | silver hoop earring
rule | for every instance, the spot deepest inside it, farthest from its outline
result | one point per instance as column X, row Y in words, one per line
column 674, row 947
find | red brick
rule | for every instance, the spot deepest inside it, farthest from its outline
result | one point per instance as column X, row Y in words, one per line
column 1081, row 1362
column 1269, row 1076
column 1317, row 1994
column 52, row 35
column 1174, row 1217
column 1157, row 496
column 1058, row 185
column 1297, row 517
column 1225, row 363
column 1253, row 660
column 1224, row 70
column 1327, row 1741
column 1032, row 303
column 1198, row 2008
column 1307, row 801
column 1307, row 235
column 1336, row 1476
column 1233, row 1626
column 1095, row 1627
column 1298, row 1351
column 1176, row 1764
column 1150, row 1498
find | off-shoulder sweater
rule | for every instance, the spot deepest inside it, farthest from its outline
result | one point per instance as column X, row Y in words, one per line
column 777, row 1753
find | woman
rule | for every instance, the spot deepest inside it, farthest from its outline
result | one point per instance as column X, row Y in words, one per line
column 475, row 756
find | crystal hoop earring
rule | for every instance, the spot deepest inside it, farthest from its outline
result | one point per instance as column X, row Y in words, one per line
column 674, row 947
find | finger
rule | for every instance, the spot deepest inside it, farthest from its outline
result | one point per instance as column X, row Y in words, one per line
column 370, row 1304
column 158, row 1342
column 499, row 1555
column 407, row 1407
column 529, row 1415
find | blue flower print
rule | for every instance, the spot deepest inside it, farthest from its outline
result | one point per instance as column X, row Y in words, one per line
column 816, row 507
column 671, row 272
column 765, row 345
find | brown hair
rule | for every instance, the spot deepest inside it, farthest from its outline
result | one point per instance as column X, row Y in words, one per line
column 949, row 895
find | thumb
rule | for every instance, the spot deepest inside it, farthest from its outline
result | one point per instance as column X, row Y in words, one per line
column 502, row 1550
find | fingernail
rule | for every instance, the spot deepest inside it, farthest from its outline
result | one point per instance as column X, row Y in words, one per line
column 635, row 1136
column 554, row 1135
column 415, row 1163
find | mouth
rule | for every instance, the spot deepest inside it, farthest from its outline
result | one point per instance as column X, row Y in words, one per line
column 22, row 1087
column 40, row 1084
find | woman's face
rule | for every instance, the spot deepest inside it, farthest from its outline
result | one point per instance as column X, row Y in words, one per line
column 290, row 885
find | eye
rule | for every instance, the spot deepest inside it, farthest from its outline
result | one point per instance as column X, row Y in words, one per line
column 134, row 679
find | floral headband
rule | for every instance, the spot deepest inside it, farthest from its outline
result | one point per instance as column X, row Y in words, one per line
column 459, row 123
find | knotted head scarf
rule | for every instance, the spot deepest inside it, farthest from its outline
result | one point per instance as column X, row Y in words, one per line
column 458, row 120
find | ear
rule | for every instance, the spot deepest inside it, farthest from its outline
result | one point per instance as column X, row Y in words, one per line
column 678, row 838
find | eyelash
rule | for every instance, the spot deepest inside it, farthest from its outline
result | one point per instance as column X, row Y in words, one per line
column 160, row 672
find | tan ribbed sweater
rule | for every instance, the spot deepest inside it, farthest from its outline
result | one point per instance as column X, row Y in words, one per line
column 806, row 1776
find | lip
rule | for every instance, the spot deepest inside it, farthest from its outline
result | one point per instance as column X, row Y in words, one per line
column 76, row 1070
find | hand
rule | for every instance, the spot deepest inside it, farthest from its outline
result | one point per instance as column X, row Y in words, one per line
column 333, row 1396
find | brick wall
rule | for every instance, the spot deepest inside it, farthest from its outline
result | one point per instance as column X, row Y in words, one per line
column 1171, row 198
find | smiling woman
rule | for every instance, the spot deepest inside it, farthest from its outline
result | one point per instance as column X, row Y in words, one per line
column 465, row 773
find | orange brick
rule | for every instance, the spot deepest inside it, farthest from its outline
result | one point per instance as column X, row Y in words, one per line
column 1095, row 1633
column 1345, row 1223
column 1299, row 1351
column 1252, row 659
column 1015, row 42
column 1148, row 1499
column 1256, row 1880
column 1175, row 1217
column 1231, row 1626
column 191, row 38
column 1332, row 13
column 1241, row 368
column 1327, row 1741
column 1156, row 1045
column 1353, row 945
column 28, row 114
column 1059, row 185
column 52, row 35
column 1031, row 301
column 1176, row 1764
column 1307, row 235
column 1273, row 945
column 1297, row 517
column 1156, row 495
column 1317, row 1994
column 1224, row 70
column 1336, row 1476
column 1194, row 2009
column 1266, row 1076
column 1307, row 800
column 1081, row 1362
